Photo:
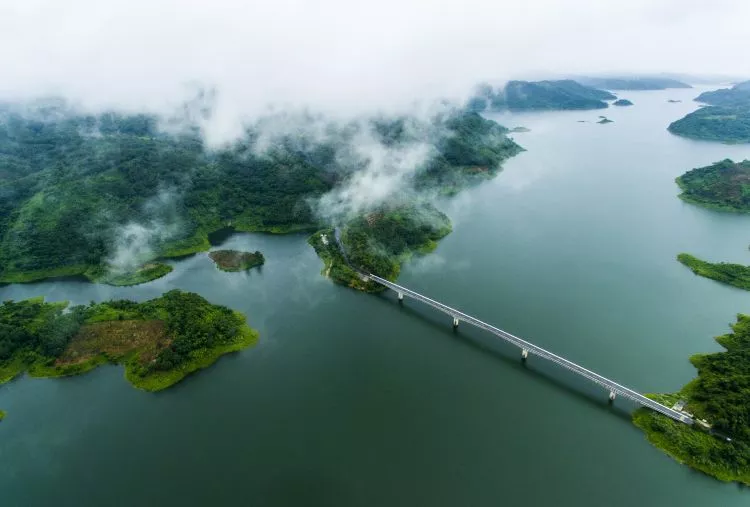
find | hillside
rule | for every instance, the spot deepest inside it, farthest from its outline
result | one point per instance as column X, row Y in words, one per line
column 539, row 95
column 102, row 196
column 723, row 185
column 715, row 123
column 633, row 83
column 738, row 95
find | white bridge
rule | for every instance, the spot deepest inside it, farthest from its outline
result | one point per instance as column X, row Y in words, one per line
column 529, row 348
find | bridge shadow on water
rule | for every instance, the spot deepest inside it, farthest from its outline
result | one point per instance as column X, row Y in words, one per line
column 509, row 355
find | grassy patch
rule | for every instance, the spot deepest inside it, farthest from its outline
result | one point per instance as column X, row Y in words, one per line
column 736, row 275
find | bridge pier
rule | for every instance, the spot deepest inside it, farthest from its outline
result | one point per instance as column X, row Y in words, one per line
column 400, row 297
column 524, row 354
column 455, row 322
column 612, row 396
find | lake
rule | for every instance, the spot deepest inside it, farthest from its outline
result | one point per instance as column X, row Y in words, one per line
column 353, row 400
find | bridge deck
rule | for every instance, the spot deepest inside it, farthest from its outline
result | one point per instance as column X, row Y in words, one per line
column 533, row 349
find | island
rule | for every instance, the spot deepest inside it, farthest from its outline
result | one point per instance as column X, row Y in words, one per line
column 234, row 260
column 159, row 342
column 563, row 94
column 622, row 102
column 718, row 399
column 673, row 101
column 736, row 275
column 722, row 186
column 633, row 83
column 604, row 120
column 520, row 129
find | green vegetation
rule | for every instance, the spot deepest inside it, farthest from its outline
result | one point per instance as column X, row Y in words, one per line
column 622, row 102
column 715, row 123
column 724, row 185
column 633, row 83
column 720, row 395
column 159, row 341
column 731, row 274
column 2, row 415
column 143, row 274
column 538, row 95
column 234, row 260
column 738, row 95
column 80, row 193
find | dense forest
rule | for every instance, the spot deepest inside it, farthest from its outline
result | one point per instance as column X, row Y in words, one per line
column 104, row 195
column 720, row 395
column 723, row 185
column 538, row 95
column 715, row 123
column 738, row 95
column 159, row 341
column 632, row 83
column 724, row 272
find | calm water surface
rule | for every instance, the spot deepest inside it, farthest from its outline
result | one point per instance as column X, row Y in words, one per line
column 351, row 400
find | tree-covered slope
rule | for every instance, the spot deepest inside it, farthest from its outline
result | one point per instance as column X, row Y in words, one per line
column 104, row 195
column 715, row 123
column 539, row 95
column 721, row 396
column 633, row 83
column 723, row 185
column 738, row 95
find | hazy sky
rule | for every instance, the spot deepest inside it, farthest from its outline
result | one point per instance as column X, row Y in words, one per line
column 349, row 55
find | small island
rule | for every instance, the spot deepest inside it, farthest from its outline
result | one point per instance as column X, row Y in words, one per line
column 520, row 129
column 724, row 124
column 719, row 186
column 673, row 101
column 235, row 260
column 604, row 120
column 719, row 401
column 622, row 102
column 159, row 342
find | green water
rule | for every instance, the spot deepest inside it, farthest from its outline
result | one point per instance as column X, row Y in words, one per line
column 351, row 400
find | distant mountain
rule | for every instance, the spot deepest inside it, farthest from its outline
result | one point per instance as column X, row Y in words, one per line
column 538, row 96
column 632, row 83
column 738, row 95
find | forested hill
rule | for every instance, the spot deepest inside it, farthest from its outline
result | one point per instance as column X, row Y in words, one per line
column 633, row 83
column 726, row 120
column 538, row 95
column 89, row 194
column 738, row 95
column 723, row 185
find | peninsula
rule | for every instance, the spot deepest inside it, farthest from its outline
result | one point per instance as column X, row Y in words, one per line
column 724, row 185
column 539, row 96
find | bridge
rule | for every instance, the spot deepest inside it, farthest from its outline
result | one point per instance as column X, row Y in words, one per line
column 529, row 348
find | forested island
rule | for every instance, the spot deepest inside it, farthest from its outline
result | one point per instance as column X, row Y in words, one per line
column 539, row 96
column 105, row 196
column 234, row 260
column 158, row 341
column 720, row 395
column 724, row 185
column 633, row 83
column 622, row 102
column 727, row 119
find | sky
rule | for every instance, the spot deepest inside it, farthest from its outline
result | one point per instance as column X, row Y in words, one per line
column 346, row 56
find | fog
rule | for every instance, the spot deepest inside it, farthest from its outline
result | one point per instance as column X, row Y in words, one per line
column 345, row 57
